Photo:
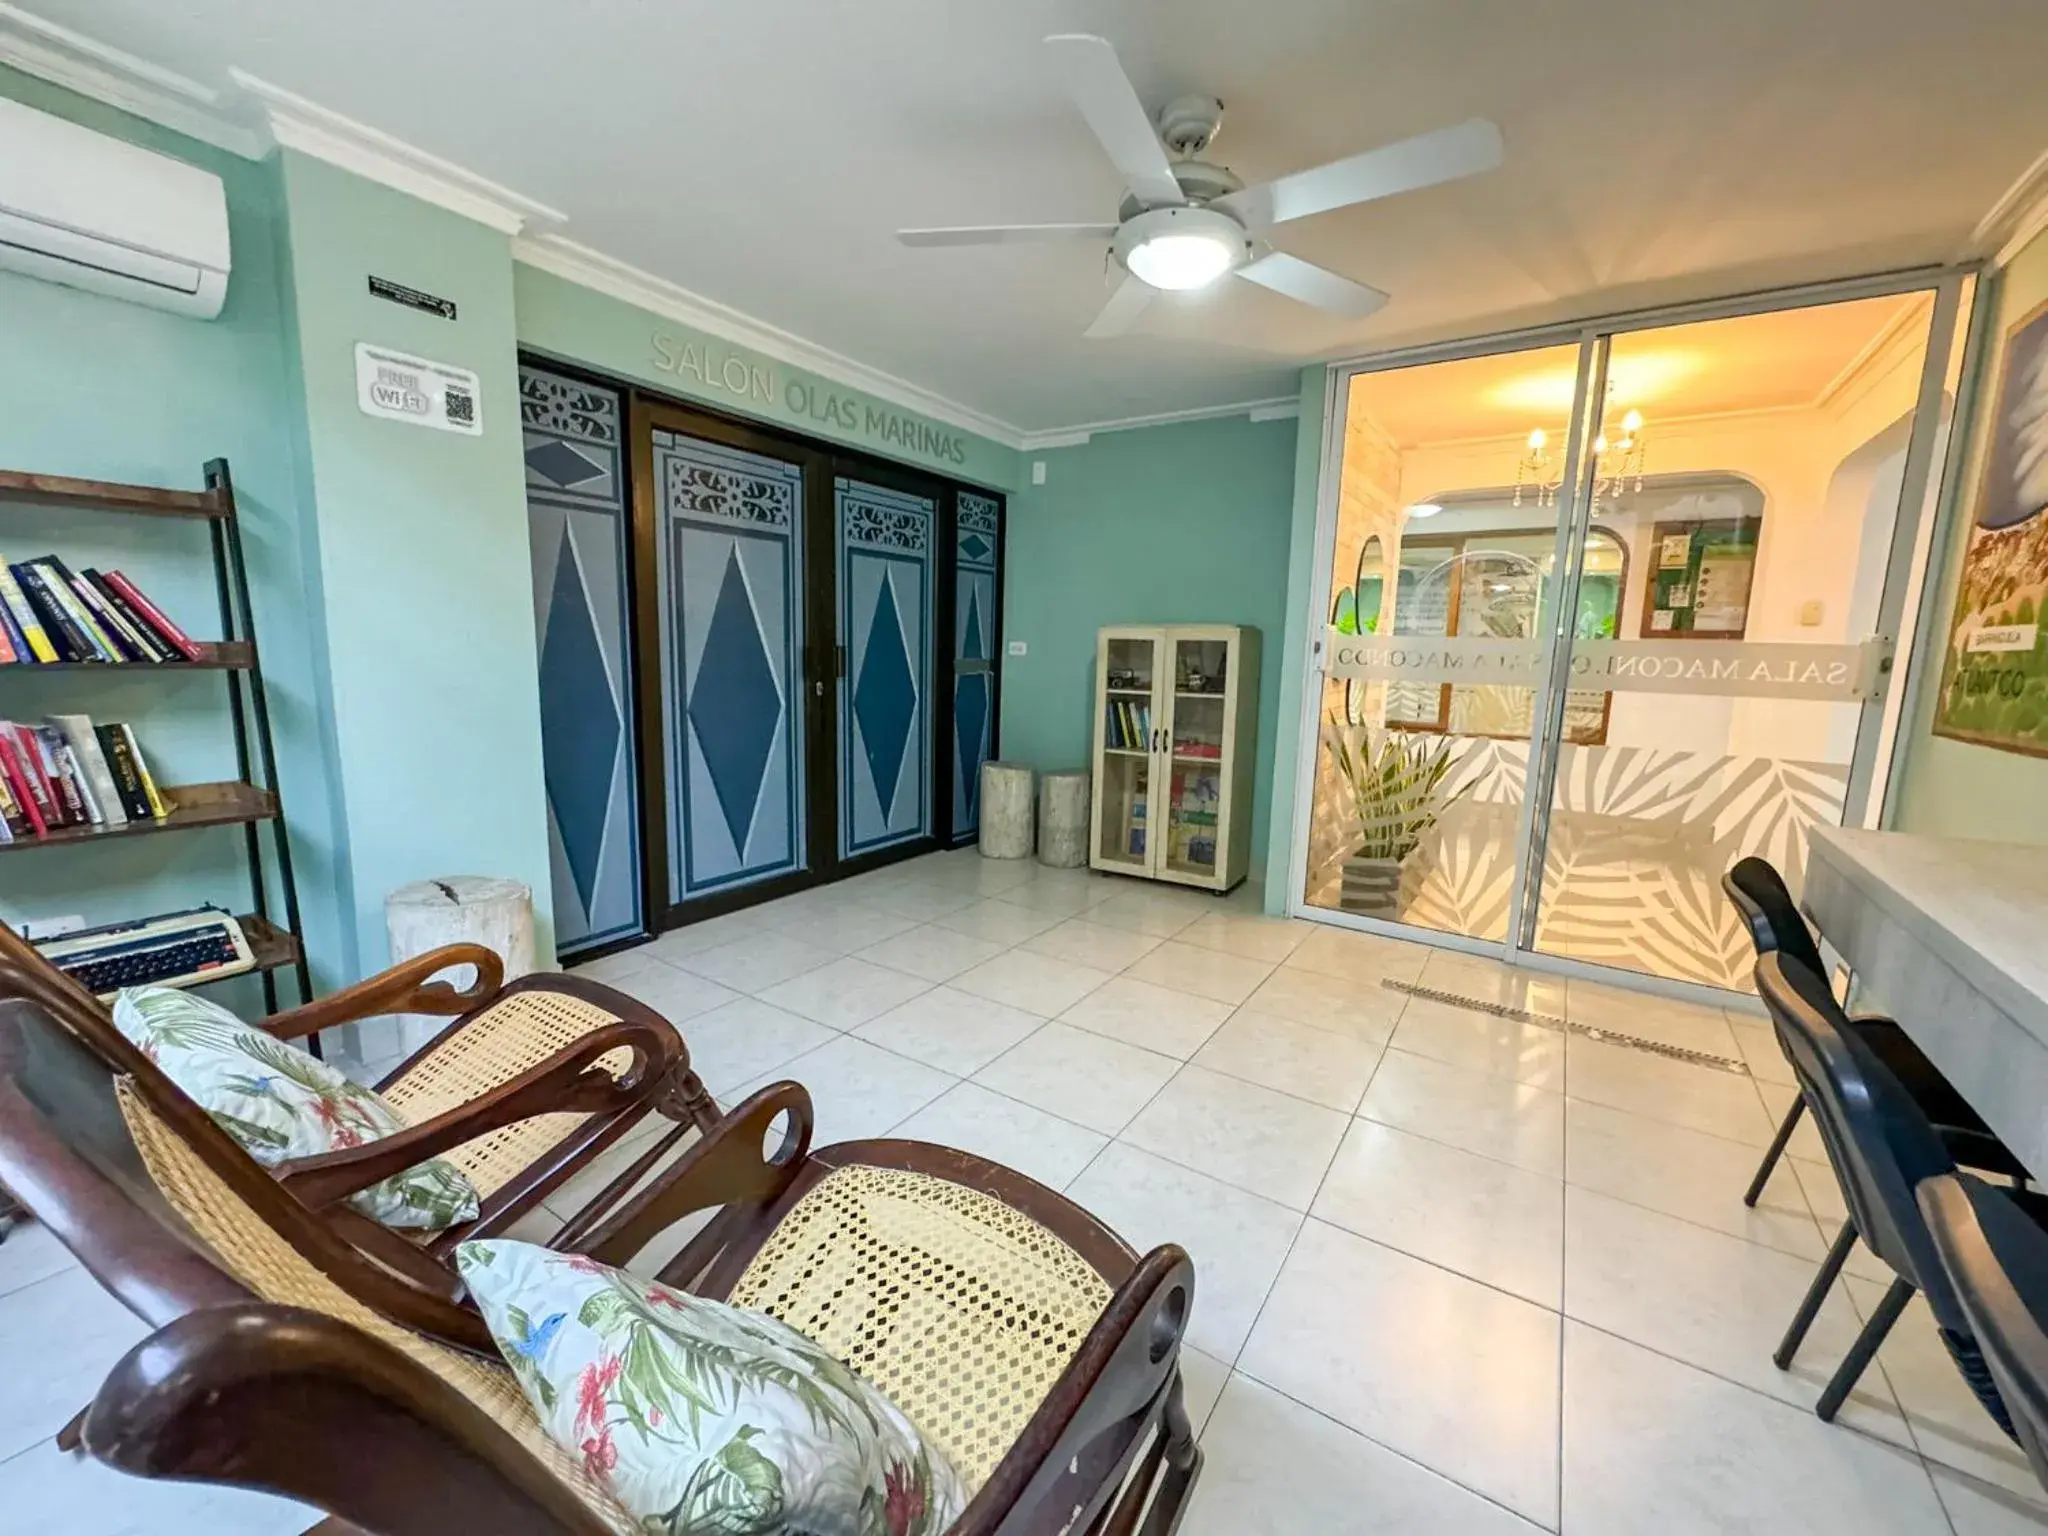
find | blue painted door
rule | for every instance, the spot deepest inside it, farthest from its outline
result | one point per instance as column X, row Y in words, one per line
column 976, row 541
column 730, row 577
column 884, row 606
column 576, row 520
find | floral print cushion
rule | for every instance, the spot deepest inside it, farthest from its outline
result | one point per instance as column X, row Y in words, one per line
column 281, row 1103
column 698, row 1416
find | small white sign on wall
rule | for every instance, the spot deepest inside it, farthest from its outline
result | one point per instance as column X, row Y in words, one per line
column 400, row 387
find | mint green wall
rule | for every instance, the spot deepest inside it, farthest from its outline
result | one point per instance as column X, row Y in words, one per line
column 1293, row 647
column 1185, row 523
column 423, row 571
column 579, row 325
column 99, row 388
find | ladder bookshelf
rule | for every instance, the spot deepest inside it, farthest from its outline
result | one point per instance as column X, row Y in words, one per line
column 251, row 800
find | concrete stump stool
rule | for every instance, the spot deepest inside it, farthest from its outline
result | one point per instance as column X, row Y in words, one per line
column 1063, row 819
column 462, row 909
column 1006, row 790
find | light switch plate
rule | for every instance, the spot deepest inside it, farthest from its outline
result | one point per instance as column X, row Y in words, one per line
column 1038, row 471
column 1016, row 648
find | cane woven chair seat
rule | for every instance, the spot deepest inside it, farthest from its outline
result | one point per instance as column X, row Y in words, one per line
column 962, row 1309
column 518, row 1032
column 244, row 1245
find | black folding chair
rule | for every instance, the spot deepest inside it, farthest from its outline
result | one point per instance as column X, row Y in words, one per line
column 1759, row 893
column 1996, row 1257
column 1881, row 1146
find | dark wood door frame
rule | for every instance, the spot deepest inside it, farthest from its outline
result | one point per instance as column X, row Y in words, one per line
column 822, row 463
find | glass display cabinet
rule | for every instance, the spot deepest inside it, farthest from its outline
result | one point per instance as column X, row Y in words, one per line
column 1176, row 732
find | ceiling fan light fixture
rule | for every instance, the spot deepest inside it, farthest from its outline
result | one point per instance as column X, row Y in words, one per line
column 1179, row 249
column 1180, row 261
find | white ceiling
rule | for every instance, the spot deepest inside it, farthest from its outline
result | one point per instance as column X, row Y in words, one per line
column 762, row 152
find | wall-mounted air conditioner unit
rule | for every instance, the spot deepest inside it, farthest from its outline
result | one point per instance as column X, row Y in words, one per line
column 79, row 208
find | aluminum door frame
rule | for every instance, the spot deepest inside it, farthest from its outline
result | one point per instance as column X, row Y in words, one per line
column 1533, row 836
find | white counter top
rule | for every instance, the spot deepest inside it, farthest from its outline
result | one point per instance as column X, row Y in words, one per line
column 1981, row 906
column 1951, row 939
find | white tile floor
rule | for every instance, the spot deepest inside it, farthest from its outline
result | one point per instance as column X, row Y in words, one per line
column 1454, row 1273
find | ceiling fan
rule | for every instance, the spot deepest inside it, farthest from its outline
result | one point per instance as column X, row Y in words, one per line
column 1185, row 223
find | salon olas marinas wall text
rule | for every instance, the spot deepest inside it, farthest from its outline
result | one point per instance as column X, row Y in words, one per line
column 714, row 368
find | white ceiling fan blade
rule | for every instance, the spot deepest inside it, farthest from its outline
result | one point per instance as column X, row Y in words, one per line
column 1005, row 234
column 1104, row 93
column 1422, row 161
column 1122, row 311
column 1313, row 285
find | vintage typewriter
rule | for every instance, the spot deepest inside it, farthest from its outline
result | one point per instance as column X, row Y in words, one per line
column 179, row 949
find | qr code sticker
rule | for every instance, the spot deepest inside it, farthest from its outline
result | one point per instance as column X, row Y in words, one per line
column 460, row 404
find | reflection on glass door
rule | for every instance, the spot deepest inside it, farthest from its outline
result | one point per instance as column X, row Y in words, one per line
column 1694, row 667
column 1758, row 512
column 1197, row 713
column 1417, row 795
column 1125, row 736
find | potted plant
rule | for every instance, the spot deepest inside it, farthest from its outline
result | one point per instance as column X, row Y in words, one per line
column 1397, row 791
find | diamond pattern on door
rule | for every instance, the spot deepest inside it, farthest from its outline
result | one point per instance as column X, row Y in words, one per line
column 731, row 628
column 580, row 746
column 970, row 719
column 885, row 698
column 978, row 526
column 576, row 521
column 884, row 603
column 735, row 707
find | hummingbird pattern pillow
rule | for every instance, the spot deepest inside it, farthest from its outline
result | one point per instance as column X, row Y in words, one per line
column 698, row 1416
column 281, row 1103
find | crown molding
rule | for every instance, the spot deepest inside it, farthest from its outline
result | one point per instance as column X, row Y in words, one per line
column 119, row 79
column 2020, row 214
column 1279, row 408
column 1897, row 341
column 621, row 280
column 306, row 126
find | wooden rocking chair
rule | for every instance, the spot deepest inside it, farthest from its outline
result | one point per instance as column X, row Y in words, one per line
column 1029, row 1341
column 527, row 1085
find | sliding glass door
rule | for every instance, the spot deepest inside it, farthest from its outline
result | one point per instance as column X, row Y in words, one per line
column 1417, row 794
column 1605, row 617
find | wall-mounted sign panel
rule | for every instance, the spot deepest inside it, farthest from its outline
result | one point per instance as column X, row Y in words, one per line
column 1739, row 669
column 399, row 387
column 412, row 298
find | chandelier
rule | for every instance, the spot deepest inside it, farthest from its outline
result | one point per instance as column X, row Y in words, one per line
column 1617, row 466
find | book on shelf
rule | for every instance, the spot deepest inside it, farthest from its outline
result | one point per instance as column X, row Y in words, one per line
column 69, row 772
column 92, row 763
column 23, row 618
column 1130, row 725
column 50, row 613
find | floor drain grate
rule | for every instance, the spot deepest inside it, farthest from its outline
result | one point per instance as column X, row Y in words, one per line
column 1566, row 1026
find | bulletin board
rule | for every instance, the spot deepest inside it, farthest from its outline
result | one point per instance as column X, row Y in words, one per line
column 1698, row 579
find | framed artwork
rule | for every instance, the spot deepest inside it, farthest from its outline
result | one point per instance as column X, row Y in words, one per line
column 1994, row 681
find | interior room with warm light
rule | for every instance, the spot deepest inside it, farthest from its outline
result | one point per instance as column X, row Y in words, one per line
column 1171, row 769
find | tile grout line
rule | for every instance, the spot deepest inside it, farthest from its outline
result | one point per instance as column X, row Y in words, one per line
column 1867, row 1436
column 1564, row 1237
column 1355, row 1114
column 1394, row 1451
